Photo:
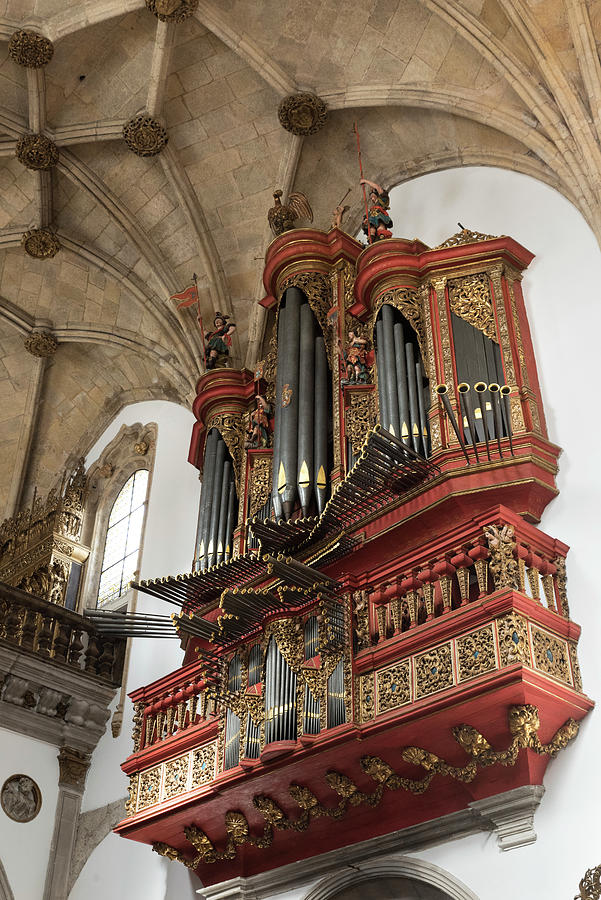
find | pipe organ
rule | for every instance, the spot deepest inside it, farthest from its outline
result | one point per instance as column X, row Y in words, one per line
column 368, row 578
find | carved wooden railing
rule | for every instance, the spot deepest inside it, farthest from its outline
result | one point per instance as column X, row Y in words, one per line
column 51, row 632
column 171, row 706
column 502, row 553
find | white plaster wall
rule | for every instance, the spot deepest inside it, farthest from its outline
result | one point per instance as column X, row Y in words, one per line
column 24, row 846
column 119, row 868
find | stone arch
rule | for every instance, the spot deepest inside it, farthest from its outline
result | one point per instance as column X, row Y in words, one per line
column 403, row 874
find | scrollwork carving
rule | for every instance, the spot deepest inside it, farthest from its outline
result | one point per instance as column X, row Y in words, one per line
column 471, row 300
column 40, row 243
column 360, row 417
column 302, row 114
column 502, row 564
column 145, row 136
column 36, row 152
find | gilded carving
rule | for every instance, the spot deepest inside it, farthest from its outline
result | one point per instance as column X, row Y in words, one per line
column 561, row 580
column 465, row 236
column 41, row 344
column 231, row 429
column 470, row 299
column 40, row 243
column 176, row 776
column 590, row 885
column 523, row 724
column 137, row 719
column 514, row 645
column 361, row 619
column 476, row 653
column 550, row 655
column 393, row 686
column 172, row 10
column 36, row 152
column 433, row 671
column 576, row 676
column 132, row 798
column 439, row 284
column 360, row 417
column 365, row 697
column 318, row 291
column 502, row 564
column 302, row 114
column 149, row 788
column 408, row 302
column 145, row 136
column 260, row 484
column 29, row 49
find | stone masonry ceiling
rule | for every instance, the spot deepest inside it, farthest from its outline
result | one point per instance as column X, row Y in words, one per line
column 140, row 142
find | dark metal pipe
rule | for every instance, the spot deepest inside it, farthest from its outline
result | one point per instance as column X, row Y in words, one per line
column 206, row 495
column 423, row 420
column 382, row 395
column 505, row 392
column 400, row 360
column 495, row 394
column 413, row 403
column 306, row 401
column 389, row 370
column 224, row 499
column 277, row 424
column 216, row 502
column 289, row 353
column 463, row 390
column 320, row 461
column 229, row 528
column 479, row 389
column 442, row 391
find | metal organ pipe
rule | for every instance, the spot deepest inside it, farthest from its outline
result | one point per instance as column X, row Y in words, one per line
column 320, row 461
column 421, row 401
column 223, row 504
column 402, row 385
column 206, row 497
column 289, row 356
column 277, row 429
column 216, row 502
column 388, row 366
column 413, row 402
column 382, row 395
column 495, row 395
column 229, row 530
column 306, row 398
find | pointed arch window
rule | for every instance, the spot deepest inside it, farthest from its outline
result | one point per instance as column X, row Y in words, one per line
column 123, row 538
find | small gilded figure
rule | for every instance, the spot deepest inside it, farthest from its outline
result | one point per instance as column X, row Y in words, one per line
column 258, row 433
column 356, row 359
column 218, row 342
column 377, row 223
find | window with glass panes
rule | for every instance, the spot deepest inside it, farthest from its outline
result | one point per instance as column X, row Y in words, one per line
column 123, row 538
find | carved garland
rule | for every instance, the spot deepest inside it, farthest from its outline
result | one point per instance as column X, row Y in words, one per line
column 524, row 724
column 471, row 300
column 590, row 886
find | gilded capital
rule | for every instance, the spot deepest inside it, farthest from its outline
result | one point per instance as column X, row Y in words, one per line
column 41, row 344
column 40, row 243
column 145, row 136
column 37, row 152
column 29, row 49
column 302, row 114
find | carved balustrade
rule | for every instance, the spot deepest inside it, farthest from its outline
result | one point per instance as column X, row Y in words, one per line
column 171, row 707
column 52, row 632
column 498, row 555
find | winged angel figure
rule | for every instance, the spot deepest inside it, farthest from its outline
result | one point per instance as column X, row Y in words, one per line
column 282, row 216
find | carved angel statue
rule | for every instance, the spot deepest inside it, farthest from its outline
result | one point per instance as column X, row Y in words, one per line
column 282, row 216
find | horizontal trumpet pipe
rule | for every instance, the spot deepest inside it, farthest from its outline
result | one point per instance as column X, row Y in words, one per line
column 494, row 391
column 442, row 391
column 505, row 392
column 468, row 412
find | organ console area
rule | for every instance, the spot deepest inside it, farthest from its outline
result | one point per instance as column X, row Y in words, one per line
column 375, row 633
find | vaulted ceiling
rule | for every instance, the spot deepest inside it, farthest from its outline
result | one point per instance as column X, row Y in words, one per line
column 432, row 84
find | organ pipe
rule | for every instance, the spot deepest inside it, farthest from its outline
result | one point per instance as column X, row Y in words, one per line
column 403, row 408
column 223, row 507
column 206, row 496
column 306, row 402
column 336, row 710
column 288, row 358
column 215, row 503
column 388, row 364
column 229, row 529
column 401, row 375
column 321, row 423
column 280, row 697
column 277, row 428
column 232, row 722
